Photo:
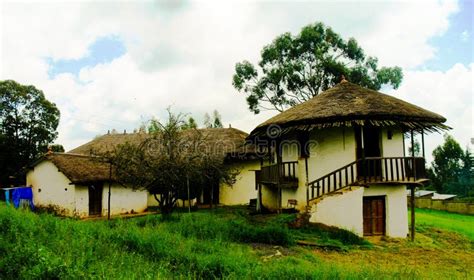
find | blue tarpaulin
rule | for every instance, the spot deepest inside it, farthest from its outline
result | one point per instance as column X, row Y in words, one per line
column 22, row 193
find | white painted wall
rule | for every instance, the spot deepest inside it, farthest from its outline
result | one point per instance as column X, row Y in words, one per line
column 244, row 188
column 82, row 201
column 269, row 197
column 341, row 210
column 330, row 149
column 123, row 200
column 51, row 188
column 392, row 147
column 345, row 210
column 335, row 147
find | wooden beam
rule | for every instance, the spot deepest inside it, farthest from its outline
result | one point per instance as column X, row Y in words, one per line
column 423, row 142
column 307, row 180
column 412, row 208
column 403, row 137
column 109, row 194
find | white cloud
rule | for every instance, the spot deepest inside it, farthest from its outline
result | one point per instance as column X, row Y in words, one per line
column 449, row 93
column 401, row 35
column 465, row 36
column 184, row 55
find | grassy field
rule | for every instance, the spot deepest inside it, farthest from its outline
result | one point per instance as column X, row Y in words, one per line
column 224, row 243
column 462, row 224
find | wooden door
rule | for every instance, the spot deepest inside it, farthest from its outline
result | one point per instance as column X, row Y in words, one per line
column 95, row 199
column 374, row 215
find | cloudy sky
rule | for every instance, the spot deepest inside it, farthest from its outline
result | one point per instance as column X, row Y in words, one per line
column 114, row 65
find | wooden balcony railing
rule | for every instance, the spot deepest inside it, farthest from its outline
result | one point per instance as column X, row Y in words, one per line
column 369, row 171
column 284, row 174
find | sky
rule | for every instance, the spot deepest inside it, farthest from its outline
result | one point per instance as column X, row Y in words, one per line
column 113, row 65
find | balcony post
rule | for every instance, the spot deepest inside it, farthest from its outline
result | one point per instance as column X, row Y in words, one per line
column 403, row 138
column 307, row 180
column 412, row 209
column 423, row 142
column 363, row 153
column 413, row 155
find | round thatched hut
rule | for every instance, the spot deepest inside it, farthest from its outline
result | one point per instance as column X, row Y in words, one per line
column 349, row 141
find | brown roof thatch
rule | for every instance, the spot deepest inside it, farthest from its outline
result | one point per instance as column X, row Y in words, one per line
column 216, row 140
column 348, row 104
column 79, row 168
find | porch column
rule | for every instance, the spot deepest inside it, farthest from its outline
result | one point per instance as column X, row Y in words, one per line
column 412, row 209
column 109, row 194
column 363, row 153
column 423, row 142
column 307, row 180
column 279, row 160
column 412, row 190
column 403, row 139
column 413, row 155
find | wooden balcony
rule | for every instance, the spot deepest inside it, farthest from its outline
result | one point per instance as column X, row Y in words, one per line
column 283, row 175
column 374, row 170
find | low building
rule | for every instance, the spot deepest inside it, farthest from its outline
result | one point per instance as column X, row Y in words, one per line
column 77, row 183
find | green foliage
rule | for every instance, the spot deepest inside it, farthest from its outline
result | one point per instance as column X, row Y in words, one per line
column 28, row 123
column 416, row 148
column 214, row 122
column 190, row 124
column 173, row 162
column 451, row 169
column 294, row 69
column 57, row 148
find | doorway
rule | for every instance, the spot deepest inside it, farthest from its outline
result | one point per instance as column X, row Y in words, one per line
column 374, row 215
column 95, row 199
column 210, row 194
column 368, row 146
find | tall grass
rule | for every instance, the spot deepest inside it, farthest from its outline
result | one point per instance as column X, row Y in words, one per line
column 197, row 246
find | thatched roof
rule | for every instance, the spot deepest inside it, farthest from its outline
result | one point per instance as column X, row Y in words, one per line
column 81, row 165
column 348, row 104
column 79, row 168
column 216, row 140
column 107, row 142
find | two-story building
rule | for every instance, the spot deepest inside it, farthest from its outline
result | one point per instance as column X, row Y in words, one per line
column 341, row 157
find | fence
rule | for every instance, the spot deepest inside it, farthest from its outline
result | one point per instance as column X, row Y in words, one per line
column 445, row 205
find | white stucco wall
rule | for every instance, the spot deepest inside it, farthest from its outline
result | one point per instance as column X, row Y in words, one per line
column 244, row 188
column 330, row 149
column 82, row 201
column 341, row 210
column 345, row 210
column 51, row 188
column 123, row 200
column 392, row 147
column 270, row 197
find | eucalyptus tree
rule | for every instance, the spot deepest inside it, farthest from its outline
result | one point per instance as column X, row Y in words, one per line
column 295, row 68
